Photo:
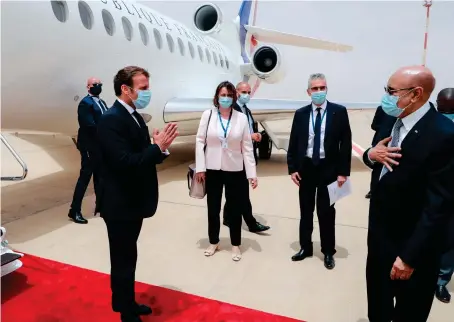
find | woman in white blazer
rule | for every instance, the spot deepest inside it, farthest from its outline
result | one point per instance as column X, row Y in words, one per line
column 224, row 153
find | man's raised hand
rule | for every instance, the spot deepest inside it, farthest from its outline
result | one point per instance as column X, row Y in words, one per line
column 165, row 137
column 384, row 154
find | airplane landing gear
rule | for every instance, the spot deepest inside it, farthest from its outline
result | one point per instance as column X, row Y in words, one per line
column 265, row 146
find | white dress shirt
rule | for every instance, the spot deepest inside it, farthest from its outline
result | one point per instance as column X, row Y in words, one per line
column 243, row 109
column 310, row 143
column 100, row 105
column 131, row 110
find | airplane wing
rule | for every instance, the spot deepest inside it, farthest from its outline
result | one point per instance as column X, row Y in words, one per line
column 191, row 109
column 282, row 38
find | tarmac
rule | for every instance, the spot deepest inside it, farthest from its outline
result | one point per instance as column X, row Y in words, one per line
column 34, row 213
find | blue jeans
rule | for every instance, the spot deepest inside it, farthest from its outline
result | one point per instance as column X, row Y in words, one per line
column 446, row 268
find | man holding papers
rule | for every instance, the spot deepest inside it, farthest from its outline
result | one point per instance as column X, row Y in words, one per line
column 319, row 154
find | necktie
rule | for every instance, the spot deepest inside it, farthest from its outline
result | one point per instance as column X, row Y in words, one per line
column 103, row 107
column 317, row 137
column 394, row 141
column 139, row 119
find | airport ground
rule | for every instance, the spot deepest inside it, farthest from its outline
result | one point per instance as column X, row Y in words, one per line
column 171, row 244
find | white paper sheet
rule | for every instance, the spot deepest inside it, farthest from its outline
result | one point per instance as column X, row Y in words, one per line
column 336, row 193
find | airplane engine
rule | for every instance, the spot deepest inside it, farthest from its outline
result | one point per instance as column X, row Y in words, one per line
column 208, row 19
column 267, row 64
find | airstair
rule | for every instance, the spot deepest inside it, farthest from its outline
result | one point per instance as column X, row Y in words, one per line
column 18, row 159
column 9, row 258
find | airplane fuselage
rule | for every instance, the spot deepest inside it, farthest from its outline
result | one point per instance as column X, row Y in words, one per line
column 46, row 62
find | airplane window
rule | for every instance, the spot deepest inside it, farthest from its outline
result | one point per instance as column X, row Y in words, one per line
column 157, row 38
column 207, row 53
column 227, row 63
column 60, row 9
column 109, row 23
column 200, row 53
column 86, row 15
column 143, row 33
column 191, row 49
column 127, row 28
column 170, row 43
column 181, row 46
column 215, row 58
column 221, row 60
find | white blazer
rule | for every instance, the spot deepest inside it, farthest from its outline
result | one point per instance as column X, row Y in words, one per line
column 238, row 152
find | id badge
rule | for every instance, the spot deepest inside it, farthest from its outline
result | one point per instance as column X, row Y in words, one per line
column 225, row 144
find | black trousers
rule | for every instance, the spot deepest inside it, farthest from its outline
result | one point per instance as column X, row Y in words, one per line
column 413, row 297
column 247, row 211
column 313, row 191
column 215, row 181
column 123, row 237
column 88, row 167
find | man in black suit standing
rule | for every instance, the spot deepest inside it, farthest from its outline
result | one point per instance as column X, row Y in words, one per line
column 411, row 202
column 129, row 181
column 244, row 91
column 445, row 105
column 319, row 153
column 90, row 109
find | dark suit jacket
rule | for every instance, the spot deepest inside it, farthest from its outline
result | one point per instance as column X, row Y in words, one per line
column 254, row 127
column 338, row 141
column 128, row 169
column 88, row 115
column 410, row 206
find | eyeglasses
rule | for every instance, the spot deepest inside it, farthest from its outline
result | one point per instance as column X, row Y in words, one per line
column 392, row 91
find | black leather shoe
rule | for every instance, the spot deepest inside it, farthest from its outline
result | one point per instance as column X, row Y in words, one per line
column 258, row 228
column 368, row 195
column 302, row 254
column 77, row 217
column 130, row 317
column 442, row 294
column 329, row 262
column 143, row 309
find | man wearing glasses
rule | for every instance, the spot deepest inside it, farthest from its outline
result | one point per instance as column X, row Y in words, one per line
column 89, row 111
column 319, row 153
column 411, row 202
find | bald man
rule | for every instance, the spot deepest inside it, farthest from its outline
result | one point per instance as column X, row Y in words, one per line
column 89, row 111
column 411, row 201
column 243, row 90
column 445, row 105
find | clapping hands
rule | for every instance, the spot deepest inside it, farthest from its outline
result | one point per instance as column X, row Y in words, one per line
column 165, row 137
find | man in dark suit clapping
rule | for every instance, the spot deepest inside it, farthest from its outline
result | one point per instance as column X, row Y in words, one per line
column 89, row 112
column 411, row 202
column 129, row 181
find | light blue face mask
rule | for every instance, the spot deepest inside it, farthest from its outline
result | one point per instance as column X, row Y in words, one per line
column 143, row 98
column 225, row 101
column 244, row 98
column 389, row 105
column 450, row 116
column 318, row 97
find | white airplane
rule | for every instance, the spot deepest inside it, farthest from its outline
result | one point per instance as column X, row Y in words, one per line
column 49, row 49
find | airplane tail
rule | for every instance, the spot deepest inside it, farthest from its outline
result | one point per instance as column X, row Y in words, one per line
column 251, row 35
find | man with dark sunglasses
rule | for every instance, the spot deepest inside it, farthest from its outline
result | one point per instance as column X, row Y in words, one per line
column 89, row 112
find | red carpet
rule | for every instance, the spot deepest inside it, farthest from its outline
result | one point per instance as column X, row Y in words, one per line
column 47, row 291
